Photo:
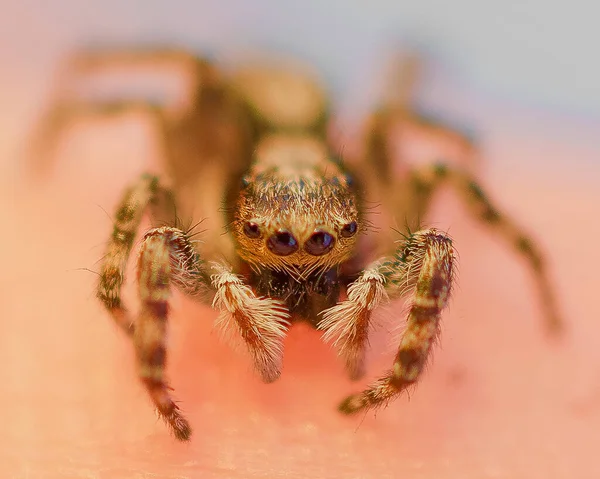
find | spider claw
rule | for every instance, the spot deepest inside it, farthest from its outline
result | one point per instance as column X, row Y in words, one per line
column 270, row 375
column 352, row 404
column 181, row 428
column 179, row 425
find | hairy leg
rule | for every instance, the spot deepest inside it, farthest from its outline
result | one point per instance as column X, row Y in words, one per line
column 347, row 324
column 422, row 264
column 261, row 321
column 168, row 257
column 426, row 181
column 126, row 223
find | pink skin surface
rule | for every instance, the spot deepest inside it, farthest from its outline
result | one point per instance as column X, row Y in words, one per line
column 499, row 400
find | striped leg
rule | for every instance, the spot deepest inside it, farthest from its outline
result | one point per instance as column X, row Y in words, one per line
column 423, row 264
column 162, row 251
column 126, row 223
column 167, row 256
column 426, row 181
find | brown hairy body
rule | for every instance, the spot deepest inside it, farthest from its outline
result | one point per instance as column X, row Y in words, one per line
column 256, row 143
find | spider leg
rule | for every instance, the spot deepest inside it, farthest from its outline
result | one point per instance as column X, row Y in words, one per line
column 426, row 181
column 392, row 144
column 96, row 58
column 65, row 112
column 261, row 321
column 397, row 115
column 65, row 107
column 423, row 264
column 127, row 220
column 167, row 256
column 346, row 324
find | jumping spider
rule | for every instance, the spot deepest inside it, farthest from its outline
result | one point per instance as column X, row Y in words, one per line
column 255, row 141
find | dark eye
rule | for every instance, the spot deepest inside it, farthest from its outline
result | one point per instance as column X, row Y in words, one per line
column 349, row 180
column 319, row 243
column 251, row 230
column 349, row 229
column 282, row 243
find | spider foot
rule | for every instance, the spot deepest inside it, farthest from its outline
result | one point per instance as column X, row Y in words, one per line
column 169, row 412
column 180, row 425
column 352, row 404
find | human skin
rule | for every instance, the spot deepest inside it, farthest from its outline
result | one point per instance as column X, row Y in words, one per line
column 500, row 398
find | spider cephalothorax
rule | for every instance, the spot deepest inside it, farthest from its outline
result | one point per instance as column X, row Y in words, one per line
column 297, row 211
column 256, row 144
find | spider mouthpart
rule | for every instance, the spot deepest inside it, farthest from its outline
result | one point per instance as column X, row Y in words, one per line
column 282, row 243
column 319, row 243
column 251, row 230
column 349, row 229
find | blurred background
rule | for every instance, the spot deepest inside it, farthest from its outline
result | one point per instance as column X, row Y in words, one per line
column 530, row 53
column 500, row 400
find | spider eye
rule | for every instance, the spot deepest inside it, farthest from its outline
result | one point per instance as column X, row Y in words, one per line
column 282, row 243
column 349, row 180
column 319, row 243
column 251, row 230
column 349, row 229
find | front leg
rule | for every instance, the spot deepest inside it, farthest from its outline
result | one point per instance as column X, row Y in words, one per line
column 347, row 324
column 167, row 256
column 261, row 321
column 423, row 264
column 145, row 193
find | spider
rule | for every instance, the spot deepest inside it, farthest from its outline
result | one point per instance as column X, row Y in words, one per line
column 299, row 243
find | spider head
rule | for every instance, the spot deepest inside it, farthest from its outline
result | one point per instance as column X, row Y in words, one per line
column 297, row 211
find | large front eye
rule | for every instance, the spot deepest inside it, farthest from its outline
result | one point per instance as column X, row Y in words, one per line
column 319, row 243
column 282, row 243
